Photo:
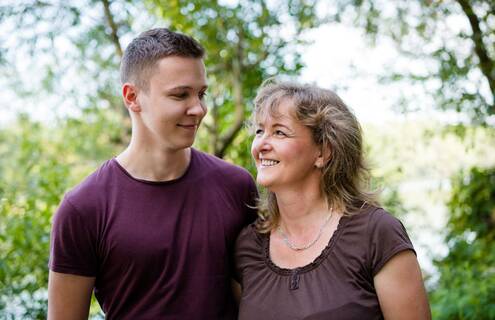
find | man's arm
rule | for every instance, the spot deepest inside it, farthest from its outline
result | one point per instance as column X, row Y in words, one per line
column 400, row 289
column 69, row 296
column 236, row 290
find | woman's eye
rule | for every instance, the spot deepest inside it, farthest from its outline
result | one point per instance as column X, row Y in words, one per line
column 258, row 131
column 280, row 133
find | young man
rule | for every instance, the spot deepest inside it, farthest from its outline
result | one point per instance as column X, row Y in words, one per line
column 152, row 230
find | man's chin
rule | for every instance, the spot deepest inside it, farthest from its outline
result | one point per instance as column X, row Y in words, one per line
column 184, row 144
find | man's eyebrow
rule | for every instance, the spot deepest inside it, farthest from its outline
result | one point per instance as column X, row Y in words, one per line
column 186, row 88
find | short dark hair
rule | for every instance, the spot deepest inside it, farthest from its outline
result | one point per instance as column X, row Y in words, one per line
column 143, row 52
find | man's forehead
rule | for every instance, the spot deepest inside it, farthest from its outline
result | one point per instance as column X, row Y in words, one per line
column 174, row 72
column 178, row 62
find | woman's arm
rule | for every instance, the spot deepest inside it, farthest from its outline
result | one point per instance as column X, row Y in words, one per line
column 400, row 289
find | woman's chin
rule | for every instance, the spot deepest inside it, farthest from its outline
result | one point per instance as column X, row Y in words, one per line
column 264, row 183
column 269, row 185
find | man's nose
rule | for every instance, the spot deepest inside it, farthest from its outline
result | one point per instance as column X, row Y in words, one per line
column 198, row 108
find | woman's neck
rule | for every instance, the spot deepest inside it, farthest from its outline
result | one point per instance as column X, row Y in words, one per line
column 301, row 211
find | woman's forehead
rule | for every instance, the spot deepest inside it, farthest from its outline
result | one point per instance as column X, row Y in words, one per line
column 282, row 107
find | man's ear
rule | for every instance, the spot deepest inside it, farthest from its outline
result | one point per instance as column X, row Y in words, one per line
column 323, row 157
column 130, row 95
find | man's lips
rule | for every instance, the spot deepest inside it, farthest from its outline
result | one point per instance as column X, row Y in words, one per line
column 188, row 126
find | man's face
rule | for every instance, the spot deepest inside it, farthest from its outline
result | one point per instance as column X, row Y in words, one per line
column 173, row 106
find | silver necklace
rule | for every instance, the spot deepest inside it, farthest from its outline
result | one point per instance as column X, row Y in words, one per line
column 289, row 244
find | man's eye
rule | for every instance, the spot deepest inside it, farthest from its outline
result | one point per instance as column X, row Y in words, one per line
column 202, row 95
column 180, row 96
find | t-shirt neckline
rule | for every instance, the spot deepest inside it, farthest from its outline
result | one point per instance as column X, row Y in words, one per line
column 182, row 177
column 312, row 265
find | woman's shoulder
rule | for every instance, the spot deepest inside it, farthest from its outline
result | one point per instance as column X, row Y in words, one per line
column 251, row 243
column 373, row 223
column 374, row 216
column 249, row 237
column 379, row 219
column 385, row 236
column 249, row 249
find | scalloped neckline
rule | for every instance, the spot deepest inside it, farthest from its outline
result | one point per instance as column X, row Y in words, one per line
column 310, row 266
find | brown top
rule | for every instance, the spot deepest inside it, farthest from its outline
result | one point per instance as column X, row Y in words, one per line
column 338, row 284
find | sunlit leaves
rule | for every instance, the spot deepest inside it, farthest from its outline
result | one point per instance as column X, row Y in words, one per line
column 466, row 288
column 38, row 164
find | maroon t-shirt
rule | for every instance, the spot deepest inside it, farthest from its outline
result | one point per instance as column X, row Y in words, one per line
column 158, row 250
column 337, row 285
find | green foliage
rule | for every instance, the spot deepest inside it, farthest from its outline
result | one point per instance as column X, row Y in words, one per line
column 38, row 164
column 466, row 288
column 62, row 53
column 473, row 205
column 246, row 42
column 446, row 47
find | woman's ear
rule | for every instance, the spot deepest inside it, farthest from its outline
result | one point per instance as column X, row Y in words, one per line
column 323, row 157
column 129, row 93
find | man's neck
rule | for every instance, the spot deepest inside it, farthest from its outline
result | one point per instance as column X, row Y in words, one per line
column 154, row 165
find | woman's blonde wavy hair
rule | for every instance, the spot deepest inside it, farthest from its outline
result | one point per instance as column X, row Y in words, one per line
column 345, row 175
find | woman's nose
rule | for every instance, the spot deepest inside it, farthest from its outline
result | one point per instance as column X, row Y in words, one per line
column 263, row 143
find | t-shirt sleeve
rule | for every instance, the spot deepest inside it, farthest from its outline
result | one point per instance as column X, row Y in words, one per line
column 72, row 245
column 387, row 237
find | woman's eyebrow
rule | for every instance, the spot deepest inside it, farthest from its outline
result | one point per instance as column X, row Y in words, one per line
column 281, row 125
column 277, row 124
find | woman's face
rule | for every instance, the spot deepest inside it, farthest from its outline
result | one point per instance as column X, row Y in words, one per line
column 284, row 151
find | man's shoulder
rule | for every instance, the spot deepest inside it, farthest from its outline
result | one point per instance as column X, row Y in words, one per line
column 82, row 203
column 93, row 186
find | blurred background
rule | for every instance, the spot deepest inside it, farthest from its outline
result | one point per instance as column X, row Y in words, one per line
column 420, row 76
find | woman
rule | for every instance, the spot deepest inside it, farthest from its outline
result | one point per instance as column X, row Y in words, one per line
column 321, row 248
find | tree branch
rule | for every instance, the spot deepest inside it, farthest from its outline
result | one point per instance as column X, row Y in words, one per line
column 226, row 140
column 211, row 127
column 208, row 127
column 486, row 64
column 114, row 37
column 113, row 27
